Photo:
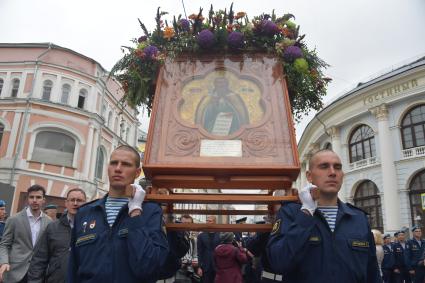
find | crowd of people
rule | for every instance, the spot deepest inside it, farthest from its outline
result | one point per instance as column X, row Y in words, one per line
column 122, row 238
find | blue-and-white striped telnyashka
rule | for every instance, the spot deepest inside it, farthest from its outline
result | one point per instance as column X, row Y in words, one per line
column 113, row 207
column 330, row 213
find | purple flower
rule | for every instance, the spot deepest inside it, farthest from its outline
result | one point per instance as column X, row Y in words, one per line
column 142, row 38
column 184, row 24
column 291, row 53
column 235, row 40
column 206, row 39
column 269, row 28
column 150, row 51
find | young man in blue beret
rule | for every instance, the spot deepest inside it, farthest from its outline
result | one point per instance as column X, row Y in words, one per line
column 414, row 251
column 51, row 210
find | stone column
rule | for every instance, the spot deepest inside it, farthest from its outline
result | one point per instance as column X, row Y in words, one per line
column 88, row 151
column 93, row 158
column 336, row 140
column 389, row 174
column 303, row 180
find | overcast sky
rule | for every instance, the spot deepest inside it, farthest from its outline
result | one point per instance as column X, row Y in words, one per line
column 358, row 38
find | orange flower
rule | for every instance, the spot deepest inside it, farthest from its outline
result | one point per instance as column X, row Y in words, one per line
column 193, row 16
column 168, row 33
column 240, row 15
column 286, row 32
column 229, row 28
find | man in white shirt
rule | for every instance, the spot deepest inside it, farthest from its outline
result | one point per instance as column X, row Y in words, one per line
column 20, row 236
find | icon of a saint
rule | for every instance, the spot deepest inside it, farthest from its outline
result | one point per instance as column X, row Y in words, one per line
column 223, row 111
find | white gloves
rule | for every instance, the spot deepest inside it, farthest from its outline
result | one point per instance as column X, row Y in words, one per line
column 306, row 199
column 136, row 201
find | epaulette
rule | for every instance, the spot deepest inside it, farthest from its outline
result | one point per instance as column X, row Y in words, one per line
column 355, row 207
column 285, row 202
column 88, row 203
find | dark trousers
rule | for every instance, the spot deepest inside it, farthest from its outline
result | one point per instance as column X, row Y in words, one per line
column 24, row 280
column 419, row 274
column 387, row 276
column 208, row 277
column 402, row 277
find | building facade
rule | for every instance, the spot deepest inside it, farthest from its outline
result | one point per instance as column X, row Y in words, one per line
column 378, row 130
column 60, row 118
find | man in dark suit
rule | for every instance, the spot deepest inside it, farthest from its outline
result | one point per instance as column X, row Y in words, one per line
column 206, row 244
column 21, row 234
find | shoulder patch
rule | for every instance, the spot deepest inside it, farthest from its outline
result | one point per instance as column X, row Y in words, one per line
column 276, row 226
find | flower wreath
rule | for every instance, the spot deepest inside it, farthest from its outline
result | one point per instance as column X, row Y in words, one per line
column 229, row 32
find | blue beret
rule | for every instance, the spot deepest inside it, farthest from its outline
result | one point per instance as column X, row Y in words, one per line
column 386, row 236
column 51, row 206
column 415, row 227
column 2, row 203
column 243, row 219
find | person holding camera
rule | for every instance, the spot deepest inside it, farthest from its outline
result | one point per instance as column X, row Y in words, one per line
column 228, row 258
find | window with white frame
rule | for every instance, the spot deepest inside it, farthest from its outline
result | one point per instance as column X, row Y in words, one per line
column 82, row 96
column 367, row 198
column 66, row 90
column 100, row 162
column 116, row 126
column 1, row 85
column 54, row 148
column 362, row 143
column 15, row 87
column 109, row 119
column 328, row 145
column 104, row 112
column 127, row 134
column 47, row 89
column 413, row 127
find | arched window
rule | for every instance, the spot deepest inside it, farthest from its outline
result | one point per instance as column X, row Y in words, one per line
column 82, row 98
column 47, row 89
column 328, row 145
column 54, row 148
column 66, row 90
column 116, row 125
column 15, row 87
column 104, row 112
column 127, row 134
column 367, row 198
column 100, row 162
column 362, row 144
column 413, row 128
column 1, row 85
column 416, row 188
column 109, row 119
column 1, row 132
